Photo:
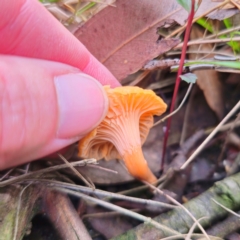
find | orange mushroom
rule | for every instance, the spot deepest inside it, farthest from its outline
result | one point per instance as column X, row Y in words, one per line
column 125, row 128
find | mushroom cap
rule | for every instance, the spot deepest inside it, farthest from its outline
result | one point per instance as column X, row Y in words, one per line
column 125, row 127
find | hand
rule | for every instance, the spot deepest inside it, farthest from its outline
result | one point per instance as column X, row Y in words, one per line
column 45, row 105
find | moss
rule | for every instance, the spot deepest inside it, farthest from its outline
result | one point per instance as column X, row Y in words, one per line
column 226, row 192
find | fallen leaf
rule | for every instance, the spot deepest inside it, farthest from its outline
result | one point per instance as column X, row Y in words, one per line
column 233, row 139
column 100, row 176
column 202, row 169
column 229, row 5
column 219, row 14
column 189, row 77
column 208, row 80
column 125, row 37
column 17, row 203
column 109, row 226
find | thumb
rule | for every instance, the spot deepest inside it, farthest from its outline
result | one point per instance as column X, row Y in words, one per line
column 45, row 106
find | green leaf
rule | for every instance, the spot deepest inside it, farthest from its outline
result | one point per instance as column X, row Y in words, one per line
column 204, row 23
column 189, row 77
column 186, row 4
column 228, row 64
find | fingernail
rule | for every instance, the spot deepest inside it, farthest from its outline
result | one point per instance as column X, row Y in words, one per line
column 82, row 104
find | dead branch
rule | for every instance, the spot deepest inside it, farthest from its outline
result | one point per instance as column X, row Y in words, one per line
column 16, row 210
column 64, row 217
column 226, row 192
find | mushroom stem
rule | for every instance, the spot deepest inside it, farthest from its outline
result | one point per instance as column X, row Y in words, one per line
column 137, row 165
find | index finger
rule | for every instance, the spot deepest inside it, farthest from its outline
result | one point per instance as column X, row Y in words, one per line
column 28, row 29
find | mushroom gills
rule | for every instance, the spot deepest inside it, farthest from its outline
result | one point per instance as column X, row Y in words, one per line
column 124, row 129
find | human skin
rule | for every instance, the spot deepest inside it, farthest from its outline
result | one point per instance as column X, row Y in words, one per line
column 50, row 85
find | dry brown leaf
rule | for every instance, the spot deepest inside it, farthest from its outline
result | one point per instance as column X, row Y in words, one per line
column 109, row 226
column 234, row 139
column 100, row 176
column 219, row 14
column 229, row 5
column 125, row 37
column 208, row 80
column 63, row 216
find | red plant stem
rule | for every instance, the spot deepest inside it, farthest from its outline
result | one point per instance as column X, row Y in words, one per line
column 178, row 79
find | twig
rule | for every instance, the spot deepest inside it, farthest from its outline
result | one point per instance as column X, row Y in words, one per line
column 103, row 169
column 182, row 236
column 18, row 210
column 45, row 170
column 179, row 107
column 226, row 192
column 139, row 78
column 235, row 4
column 227, row 209
column 180, row 205
column 141, row 188
column 102, row 193
column 223, row 32
column 197, row 18
column 6, row 174
column 225, row 227
column 199, row 149
column 226, row 140
column 76, row 171
column 225, row 127
column 63, row 216
column 146, row 220
column 204, row 52
column 105, row 214
column 27, row 167
column 197, row 42
column 191, row 230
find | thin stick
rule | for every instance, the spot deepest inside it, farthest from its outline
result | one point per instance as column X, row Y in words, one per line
column 45, row 170
column 225, row 127
column 197, row 42
column 235, row 4
column 180, row 205
column 199, row 149
column 6, row 174
column 102, row 193
column 139, row 78
column 27, row 167
column 141, row 188
column 76, row 172
column 223, row 32
column 105, row 214
column 18, row 210
column 124, row 211
column 190, row 233
column 226, row 140
column 227, row 209
column 174, row 112
column 197, row 18
column 182, row 236
column 103, row 169
column 203, row 52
